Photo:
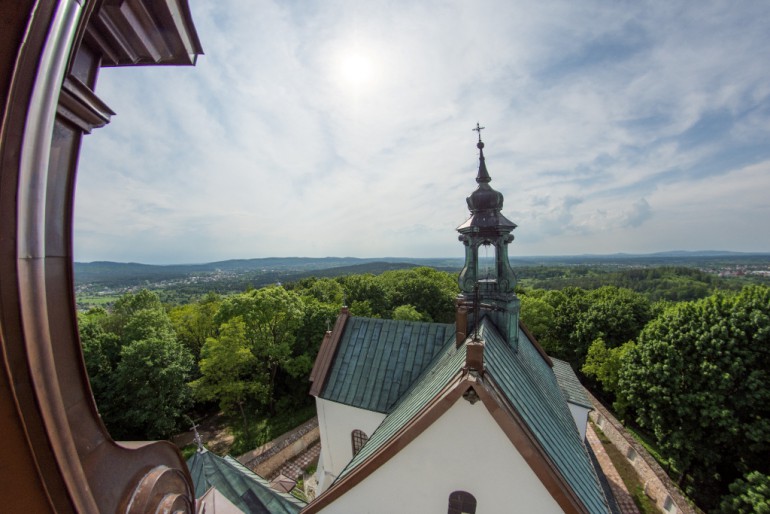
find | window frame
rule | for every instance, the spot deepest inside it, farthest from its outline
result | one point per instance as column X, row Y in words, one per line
column 461, row 502
column 358, row 440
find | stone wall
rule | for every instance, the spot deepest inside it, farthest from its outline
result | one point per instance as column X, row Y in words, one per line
column 268, row 459
column 657, row 484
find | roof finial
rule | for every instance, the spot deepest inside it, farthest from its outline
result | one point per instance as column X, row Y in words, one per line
column 197, row 438
column 478, row 129
column 483, row 175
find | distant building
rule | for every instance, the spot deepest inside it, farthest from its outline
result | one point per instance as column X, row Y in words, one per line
column 429, row 417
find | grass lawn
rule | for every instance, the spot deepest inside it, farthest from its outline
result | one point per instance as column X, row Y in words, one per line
column 627, row 474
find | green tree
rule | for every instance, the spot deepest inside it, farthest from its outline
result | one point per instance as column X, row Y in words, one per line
column 429, row 291
column 325, row 290
column 407, row 313
column 365, row 295
column 538, row 315
column 194, row 322
column 697, row 379
column 151, row 391
column 604, row 365
column 101, row 352
column 272, row 316
column 230, row 372
column 748, row 495
column 615, row 315
column 138, row 370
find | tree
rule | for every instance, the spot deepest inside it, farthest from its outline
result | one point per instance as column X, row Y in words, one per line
column 604, row 365
column 230, row 372
column 272, row 316
column 151, row 391
column 407, row 313
column 325, row 290
column 697, row 378
column 429, row 291
column 748, row 495
column 365, row 295
column 579, row 317
column 138, row 370
column 194, row 322
column 101, row 352
column 538, row 315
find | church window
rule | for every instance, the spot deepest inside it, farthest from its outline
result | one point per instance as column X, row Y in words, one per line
column 461, row 502
column 359, row 439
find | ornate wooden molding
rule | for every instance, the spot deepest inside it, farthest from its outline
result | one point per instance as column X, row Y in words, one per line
column 81, row 106
column 61, row 458
column 137, row 32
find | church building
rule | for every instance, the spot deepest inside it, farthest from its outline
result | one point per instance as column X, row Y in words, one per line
column 470, row 417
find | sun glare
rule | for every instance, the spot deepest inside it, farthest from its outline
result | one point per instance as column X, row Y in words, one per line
column 356, row 68
column 356, row 65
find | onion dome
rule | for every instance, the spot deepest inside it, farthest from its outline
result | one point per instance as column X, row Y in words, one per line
column 484, row 198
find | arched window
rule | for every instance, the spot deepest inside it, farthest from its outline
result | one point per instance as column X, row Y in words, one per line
column 461, row 502
column 359, row 439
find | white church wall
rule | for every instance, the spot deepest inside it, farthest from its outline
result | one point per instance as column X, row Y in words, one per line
column 464, row 450
column 580, row 415
column 336, row 423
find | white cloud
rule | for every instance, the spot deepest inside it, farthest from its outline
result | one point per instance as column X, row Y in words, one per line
column 600, row 120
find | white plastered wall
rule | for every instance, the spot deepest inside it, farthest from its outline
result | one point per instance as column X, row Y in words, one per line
column 336, row 422
column 464, row 450
column 580, row 415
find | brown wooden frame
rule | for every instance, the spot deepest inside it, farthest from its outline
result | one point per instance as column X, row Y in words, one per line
column 58, row 456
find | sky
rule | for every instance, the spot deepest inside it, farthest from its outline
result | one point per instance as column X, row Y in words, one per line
column 344, row 128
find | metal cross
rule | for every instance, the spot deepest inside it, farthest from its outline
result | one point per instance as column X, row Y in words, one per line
column 197, row 437
column 478, row 129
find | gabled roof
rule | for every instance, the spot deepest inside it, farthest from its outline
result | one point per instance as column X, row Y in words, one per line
column 528, row 383
column 519, row 390
column 377, row 360
column 573, row 390
column 241, row 486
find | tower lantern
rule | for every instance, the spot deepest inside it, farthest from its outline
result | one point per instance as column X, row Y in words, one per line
column 487, row 226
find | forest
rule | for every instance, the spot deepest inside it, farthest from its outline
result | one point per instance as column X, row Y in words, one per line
column 681, row 356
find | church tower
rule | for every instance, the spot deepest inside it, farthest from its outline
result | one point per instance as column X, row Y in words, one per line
column 490, row 290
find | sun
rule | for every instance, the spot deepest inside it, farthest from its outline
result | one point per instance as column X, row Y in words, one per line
column 357, row 65
column 356, row 68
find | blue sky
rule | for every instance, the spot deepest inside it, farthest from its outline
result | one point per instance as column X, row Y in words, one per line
column 343, row 128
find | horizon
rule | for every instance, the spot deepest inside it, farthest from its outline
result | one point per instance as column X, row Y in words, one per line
column 346, row 128
column 667, row 253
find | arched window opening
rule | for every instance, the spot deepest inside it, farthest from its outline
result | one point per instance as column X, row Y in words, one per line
column 359, row 439
column 461, row 502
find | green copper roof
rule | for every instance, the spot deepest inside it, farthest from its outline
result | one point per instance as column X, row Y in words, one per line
column 570, row 385
column 244, row 488
column 444, row 368
column 377, row 360
column 530, row 385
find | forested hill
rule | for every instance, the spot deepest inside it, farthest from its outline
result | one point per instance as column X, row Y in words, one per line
column 119, row 273
column 266, row 270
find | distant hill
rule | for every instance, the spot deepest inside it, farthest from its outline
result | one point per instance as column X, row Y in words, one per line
column 272, row 269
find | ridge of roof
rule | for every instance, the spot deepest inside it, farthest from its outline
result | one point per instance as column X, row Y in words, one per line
column 327, row 352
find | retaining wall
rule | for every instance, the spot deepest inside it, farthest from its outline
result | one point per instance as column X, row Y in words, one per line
column 657, row 484
column 268, row 459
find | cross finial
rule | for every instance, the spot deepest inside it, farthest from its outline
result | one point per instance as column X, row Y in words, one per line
column 197, row 438
column 478, row 129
